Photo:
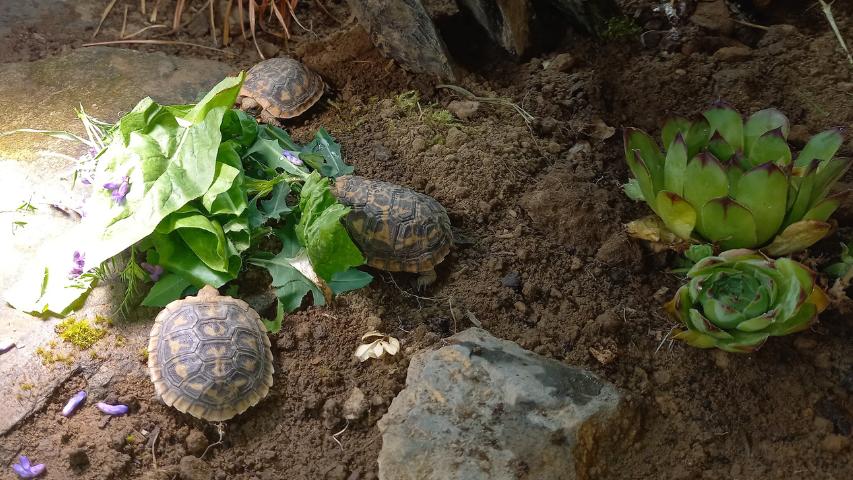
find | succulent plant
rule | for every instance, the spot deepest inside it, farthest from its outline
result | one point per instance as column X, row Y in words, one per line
column 734, row 182
column 736, row 300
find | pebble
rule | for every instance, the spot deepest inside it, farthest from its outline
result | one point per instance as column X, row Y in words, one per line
column 721, row 359
column 302, row 331
column 355, row 405
column 512, row 280
column 661, row 377
column 520, row 307
column 732, row 54
column 834, row 443
column 196, row 443
column 463, row 109
column 419, row 144
column 193, row 468
column 608, row 321
column 798, row 135
column 373, row 323
column 823, row 361
column 381, row 153
column 822, row 425
column 563, row 62
column 713, row 16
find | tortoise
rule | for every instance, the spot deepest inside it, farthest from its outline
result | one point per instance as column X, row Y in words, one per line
column 396, row 228
column 209, row 356
column 282, row 87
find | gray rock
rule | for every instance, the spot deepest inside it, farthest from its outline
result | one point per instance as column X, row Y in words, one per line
column 196, row 443
column 463, row 109
column 484, row 408
column 43, row 95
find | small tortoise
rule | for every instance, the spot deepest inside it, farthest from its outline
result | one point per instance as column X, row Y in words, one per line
column 282, row 87
column 209, row 356
column 396, row 228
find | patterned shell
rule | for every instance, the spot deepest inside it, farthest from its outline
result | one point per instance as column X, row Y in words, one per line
column 396, row 228
column 209, row 356
column 283, row 86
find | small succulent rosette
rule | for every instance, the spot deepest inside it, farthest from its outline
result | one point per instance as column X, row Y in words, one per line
column 736, row 300
column 734, row 182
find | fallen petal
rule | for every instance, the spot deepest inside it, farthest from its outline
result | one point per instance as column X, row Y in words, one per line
column 73, row 403
column 6, row 345
column 37, row 470
column 115, row 410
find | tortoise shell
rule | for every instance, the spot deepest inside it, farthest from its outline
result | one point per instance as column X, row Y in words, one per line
column 209, row 356
column 396, row 228
column 282, row 86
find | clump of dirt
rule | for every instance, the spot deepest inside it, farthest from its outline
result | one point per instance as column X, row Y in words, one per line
column 550, row 267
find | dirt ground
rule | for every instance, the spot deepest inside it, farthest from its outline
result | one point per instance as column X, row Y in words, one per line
column 550, row 269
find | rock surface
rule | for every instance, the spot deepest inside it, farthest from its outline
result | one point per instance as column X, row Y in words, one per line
column 484, row 408
column 43, row 94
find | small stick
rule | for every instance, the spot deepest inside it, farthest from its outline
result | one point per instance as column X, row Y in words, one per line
column 252, row 28
column 242, row 20
column 212, row 23
column 827, row 11
column 149, row 27
column 154, row 12
column 156, row 42
column 753, row 25
column 153, row 445
column 124, row 22
column 179, row 11
column 327, row 12
column 104, row 17
column 335, row 436
column 226, row 23
column 280, row 19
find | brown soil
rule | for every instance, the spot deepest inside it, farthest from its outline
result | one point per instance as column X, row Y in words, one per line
column 544, row 203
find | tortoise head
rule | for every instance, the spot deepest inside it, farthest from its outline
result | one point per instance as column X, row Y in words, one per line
column 208, row 292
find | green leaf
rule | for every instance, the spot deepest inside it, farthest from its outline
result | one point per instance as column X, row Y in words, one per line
column 678, row 215
column 822, row 146
column 326, row 146
column 699, row 251
column 823, row 210
column 705, row 179
column 203, row 235
column 169, row 288
column 762, row 122
column 223, row 179
column 635, row 139
column 238, row 126
column 804, row 192
column 828, row 173
column 222, row 96
column 675, row 167
column 728, row 223
column 349, row 280
column 697, row 137
column 770, row 147
column 728, row 123
column 291, row 286
column 321, row 232
column 274, row 325
column 672, row 128
column 632, row 190
column 763, row 191
column 720, row 147
column 176, row 256
column 797, row 236
column 643, row 178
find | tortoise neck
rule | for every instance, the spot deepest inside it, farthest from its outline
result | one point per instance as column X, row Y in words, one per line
column 208, row 291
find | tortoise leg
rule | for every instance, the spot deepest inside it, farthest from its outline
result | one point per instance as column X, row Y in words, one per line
column 247, row 103
column 269, row 118
column 426, row 279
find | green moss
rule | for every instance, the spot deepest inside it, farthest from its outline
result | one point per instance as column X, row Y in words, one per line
column 49, row 356
column 439, row 117
column 79, row 332
column 407, row 101
column 618, row 27
column 143, row 353
column 130, row 439
column 27, row 387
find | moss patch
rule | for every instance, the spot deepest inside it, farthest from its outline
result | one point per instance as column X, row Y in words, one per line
column 49, row 356
column 79, row 332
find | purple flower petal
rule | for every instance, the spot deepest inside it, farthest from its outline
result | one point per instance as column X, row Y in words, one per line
column 115, row 410
column 154, row 271
column 111, row 186
column 72, row 404
column 86, row 181
column 20, row 471
column 37, row 470
column 25, row 462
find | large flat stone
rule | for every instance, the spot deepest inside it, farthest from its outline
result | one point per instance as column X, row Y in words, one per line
column 43, row 94
column 484, row 408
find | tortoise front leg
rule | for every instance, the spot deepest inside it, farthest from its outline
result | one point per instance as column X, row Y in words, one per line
column 426, row 279
column 269, row 118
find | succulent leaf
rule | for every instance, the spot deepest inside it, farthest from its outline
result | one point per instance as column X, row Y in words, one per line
column 828, row 172
column 697, row 137
column 720, row 148
column 639, row 140
column 763, row 191
column 728, row 122
column 802, row 201
column 770, row 147
column 676, row 164
column 672, row 128
column 822, row 146
column 728, row 223
column 678, row 215
column 643, row 176
column 762, row 122
column 797, row 236
column 738, row 299
column 823, row 210
column 705, row 179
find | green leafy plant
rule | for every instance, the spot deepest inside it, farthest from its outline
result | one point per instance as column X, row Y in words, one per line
column 736, row 300
column 844, row 267
column 734, row 182
column 189, row 190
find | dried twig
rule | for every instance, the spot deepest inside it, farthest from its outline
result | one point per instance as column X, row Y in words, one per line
column 157, row 42
column 124, row 22
column 335, row 436
column 527, row 117
column 752, row 25
column 226, row 23
column 327, row 12
column 212, row 23
column 142, row 30
column 827, row 11
column 252, row 28
column 142, row 6
column 220, row 429
column 154, row 12
column 153, row 445
column 179, row 11
column 104, row 17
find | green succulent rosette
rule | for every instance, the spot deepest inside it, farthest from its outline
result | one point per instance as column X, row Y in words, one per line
column 736, row 300
column 734, row 182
